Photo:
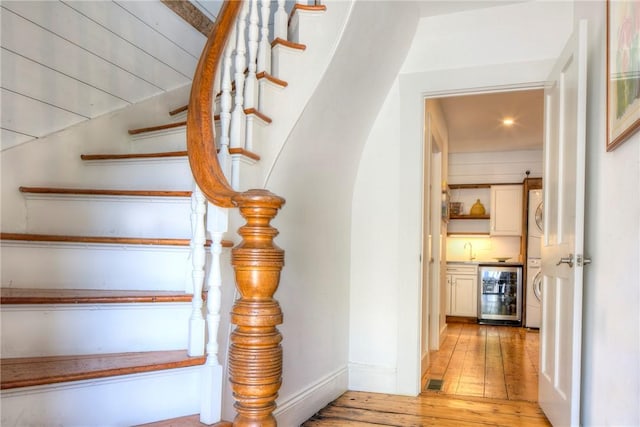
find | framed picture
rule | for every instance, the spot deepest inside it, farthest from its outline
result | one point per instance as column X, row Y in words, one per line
column 623, row 70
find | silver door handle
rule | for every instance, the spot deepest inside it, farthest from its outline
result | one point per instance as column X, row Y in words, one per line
column 582, row 260
column 566, row 260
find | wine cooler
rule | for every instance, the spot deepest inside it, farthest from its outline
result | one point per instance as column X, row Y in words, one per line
column 500, row 294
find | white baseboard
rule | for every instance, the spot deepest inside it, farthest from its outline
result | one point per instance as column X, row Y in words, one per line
column 296, row 409
column 443, row 334
column 372, row 378
column 424, row 363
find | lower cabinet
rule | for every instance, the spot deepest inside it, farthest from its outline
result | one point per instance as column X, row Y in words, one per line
column 462, row 290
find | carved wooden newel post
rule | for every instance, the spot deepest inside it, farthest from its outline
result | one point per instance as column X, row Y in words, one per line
column 255, row 354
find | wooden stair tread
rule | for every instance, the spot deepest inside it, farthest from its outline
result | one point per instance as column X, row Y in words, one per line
column 282, row 42
column 27, row 237
column 133, row 156
column 178, row 110
column 104, row 192
column 33, row 371
column 261, row 116
column 246, row 153
column 88, row 296
column 157, row 128
column 272, row 79
column 308, row 7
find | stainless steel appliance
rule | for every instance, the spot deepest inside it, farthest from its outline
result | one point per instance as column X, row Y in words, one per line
column 534, row 276
column 500, row 294
column 534, row 293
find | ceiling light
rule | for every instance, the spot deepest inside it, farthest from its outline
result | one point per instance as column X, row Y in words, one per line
column 508, row 121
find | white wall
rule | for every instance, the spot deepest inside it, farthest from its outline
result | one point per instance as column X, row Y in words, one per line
column 611, row 305
column 315, row 172
column 373, row 323
column 466, row 63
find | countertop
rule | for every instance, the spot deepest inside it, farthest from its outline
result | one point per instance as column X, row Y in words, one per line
column 489, row 262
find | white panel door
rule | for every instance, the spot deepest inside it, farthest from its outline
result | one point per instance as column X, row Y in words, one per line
column 564, row 162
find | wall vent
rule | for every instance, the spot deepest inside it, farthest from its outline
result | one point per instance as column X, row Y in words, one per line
column 434, row 385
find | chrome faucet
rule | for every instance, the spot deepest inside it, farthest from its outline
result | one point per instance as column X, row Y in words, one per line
column 471, row 257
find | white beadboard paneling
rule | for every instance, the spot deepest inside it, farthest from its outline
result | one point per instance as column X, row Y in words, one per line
column 30, row 116
column 34, row 80
column 494, row 167
column 72, row 26
column 156, row 15
column 9, row 138
column 42, row 46
column 120, row 21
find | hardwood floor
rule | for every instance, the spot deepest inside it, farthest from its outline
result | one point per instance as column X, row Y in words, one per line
column 487, row 361
column 489, row 377
column 361, row 409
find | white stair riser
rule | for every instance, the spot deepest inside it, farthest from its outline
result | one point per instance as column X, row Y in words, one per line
column 286, row 62
column 137, row 174
column 173, row 139
column 91, row 266
column 118, row 401
column 271, row 97
column 55, row 330
column 168, row 217
column 306, row 25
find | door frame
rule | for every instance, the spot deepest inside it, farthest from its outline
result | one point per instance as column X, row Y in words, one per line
column 414, row 88
column 431, row 238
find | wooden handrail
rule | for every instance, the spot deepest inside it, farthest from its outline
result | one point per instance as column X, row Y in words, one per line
column 255, row 353
column 201, row 145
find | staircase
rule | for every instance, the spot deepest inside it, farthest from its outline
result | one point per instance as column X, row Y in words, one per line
column 110, row 294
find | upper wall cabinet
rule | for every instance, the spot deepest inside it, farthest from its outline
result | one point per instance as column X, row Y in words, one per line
column 506, row 210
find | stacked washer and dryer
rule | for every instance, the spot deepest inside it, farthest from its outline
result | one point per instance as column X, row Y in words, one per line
column 534, row 276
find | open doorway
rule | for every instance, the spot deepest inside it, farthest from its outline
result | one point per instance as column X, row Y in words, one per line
column 492, row 139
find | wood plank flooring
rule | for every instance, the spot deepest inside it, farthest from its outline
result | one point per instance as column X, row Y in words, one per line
column 361, row 409
column 490, row 378
column 498, row 362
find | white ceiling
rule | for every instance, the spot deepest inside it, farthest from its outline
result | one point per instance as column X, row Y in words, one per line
column 475, row 124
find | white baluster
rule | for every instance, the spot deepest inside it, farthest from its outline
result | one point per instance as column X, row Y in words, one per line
column 250, row 84
column 264, row 49
column 280, row 21
column 237, row 115
column 198, row 256
column 210, row 411
column 225, row 111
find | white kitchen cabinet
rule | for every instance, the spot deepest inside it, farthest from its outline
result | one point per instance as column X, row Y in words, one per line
column 462, row 290
column 506, row 210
